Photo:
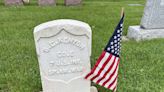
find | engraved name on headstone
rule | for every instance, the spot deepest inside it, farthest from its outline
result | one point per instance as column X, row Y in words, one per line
column 63, row 49
column 153, row 14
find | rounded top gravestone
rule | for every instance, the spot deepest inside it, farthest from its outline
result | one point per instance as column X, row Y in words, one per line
column 64, row 50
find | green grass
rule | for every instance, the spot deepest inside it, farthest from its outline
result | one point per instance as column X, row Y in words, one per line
column 142, row 63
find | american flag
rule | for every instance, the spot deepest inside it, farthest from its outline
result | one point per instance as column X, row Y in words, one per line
column 105, row 71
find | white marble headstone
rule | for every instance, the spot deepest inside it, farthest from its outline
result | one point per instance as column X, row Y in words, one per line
column 64, row 50
column 153, row 16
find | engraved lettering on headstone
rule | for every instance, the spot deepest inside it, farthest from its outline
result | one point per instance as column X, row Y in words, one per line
column 62, row 62
column 52, row 63
column 65, row 53
column 46, row 50
column 62, row 71
column 67, row 40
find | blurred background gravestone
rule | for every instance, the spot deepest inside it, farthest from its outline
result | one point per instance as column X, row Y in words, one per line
column 13, row 2
column 72, row 2
column 152, row 23
column 46, row 2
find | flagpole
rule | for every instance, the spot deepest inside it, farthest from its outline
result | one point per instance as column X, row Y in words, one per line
column 122, row 11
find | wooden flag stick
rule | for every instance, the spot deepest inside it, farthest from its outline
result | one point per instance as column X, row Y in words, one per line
column 122, row 11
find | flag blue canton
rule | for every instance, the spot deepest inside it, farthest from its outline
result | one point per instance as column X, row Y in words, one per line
column 114, row 44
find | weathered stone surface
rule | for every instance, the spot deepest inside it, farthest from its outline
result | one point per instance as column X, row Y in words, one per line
column 137, row 33
column 46, row 2
column 13, row 2
column 73, row 2
column 153, row 16
column 64, row 50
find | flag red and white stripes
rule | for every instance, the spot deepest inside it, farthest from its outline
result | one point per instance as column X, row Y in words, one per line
column 105, row 71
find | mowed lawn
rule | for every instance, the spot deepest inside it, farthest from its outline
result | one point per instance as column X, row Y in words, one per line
column 142, row 63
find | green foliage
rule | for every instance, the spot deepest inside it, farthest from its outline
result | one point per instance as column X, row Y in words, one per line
column 141, row 67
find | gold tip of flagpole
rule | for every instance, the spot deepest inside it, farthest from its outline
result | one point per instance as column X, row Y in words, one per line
column 122, row 11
